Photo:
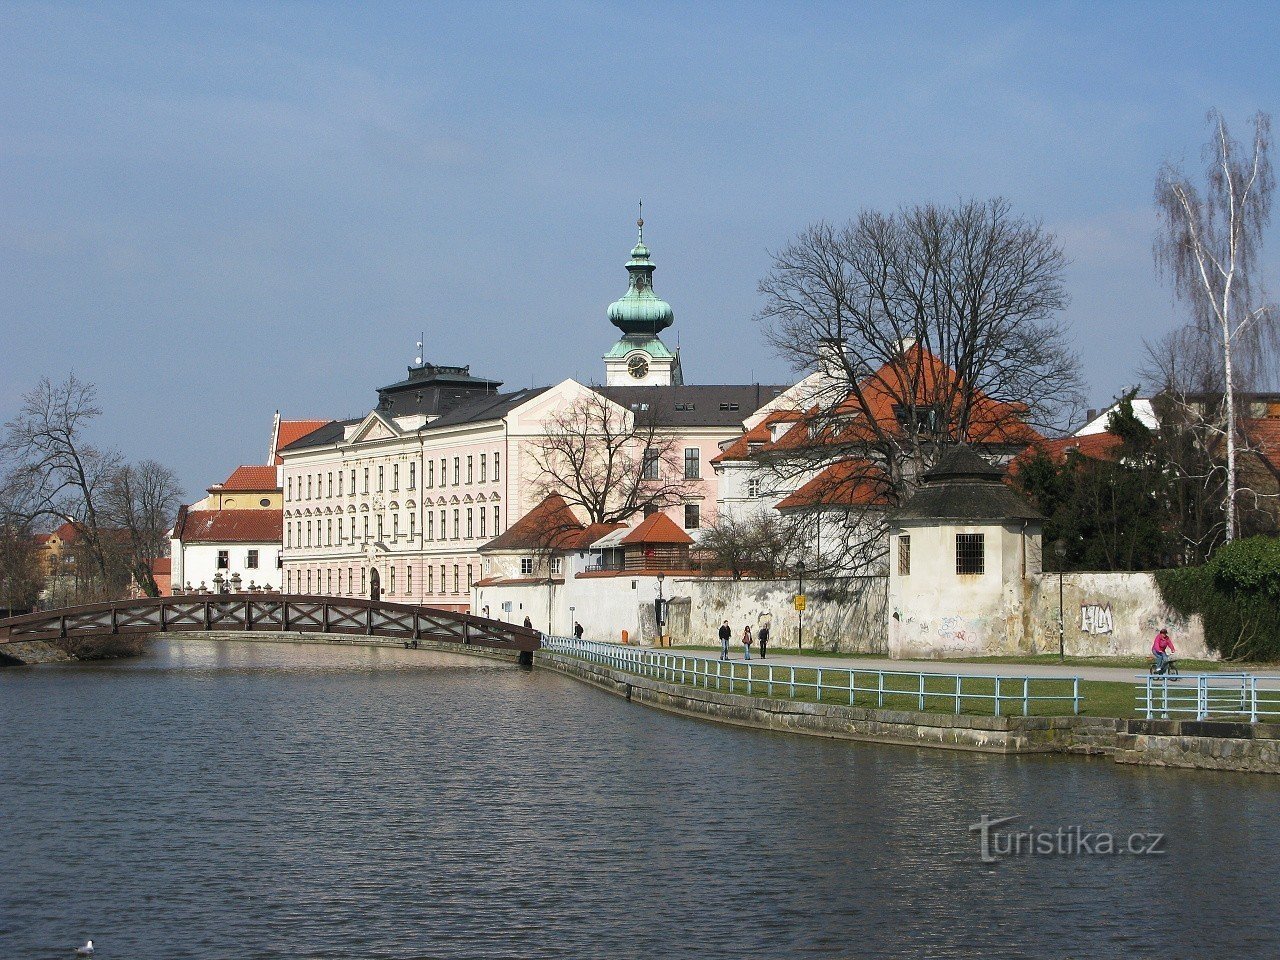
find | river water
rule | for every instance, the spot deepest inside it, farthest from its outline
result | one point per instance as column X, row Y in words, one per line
column 254, row 800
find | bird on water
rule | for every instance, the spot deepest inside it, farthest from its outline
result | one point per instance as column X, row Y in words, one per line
column 86, row 950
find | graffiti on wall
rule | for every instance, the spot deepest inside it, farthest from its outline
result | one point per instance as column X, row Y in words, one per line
column 1096, row 619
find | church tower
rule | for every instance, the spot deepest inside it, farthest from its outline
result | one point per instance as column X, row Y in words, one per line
column 640, row 358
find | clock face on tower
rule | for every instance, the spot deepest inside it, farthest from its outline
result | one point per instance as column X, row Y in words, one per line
column 638, row 366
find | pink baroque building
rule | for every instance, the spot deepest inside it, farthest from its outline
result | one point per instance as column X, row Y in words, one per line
column 397, row 504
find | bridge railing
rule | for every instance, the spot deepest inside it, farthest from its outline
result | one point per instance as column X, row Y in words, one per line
column 268, row 612
column 1202, row 696
column 892, row 689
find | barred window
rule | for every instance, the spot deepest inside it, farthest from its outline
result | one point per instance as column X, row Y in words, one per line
column 904, row 555
column 970, row 549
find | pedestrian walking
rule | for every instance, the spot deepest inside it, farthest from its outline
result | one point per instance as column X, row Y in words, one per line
column 577, row 630
column 726, row 634
column 763, row 637
column 746, row 642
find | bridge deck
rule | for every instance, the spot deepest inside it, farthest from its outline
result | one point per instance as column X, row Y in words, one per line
column 271, row 612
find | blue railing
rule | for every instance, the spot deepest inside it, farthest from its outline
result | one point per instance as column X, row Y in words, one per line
column 935, row 692
column 1205, row 695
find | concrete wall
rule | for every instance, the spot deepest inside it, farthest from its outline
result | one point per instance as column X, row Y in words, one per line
column 1108, row 614
column 846, row 614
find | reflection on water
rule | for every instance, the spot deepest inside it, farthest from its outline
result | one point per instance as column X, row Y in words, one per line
column 218, row 800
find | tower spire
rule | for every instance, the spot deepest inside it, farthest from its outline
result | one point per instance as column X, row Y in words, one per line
column 640, row 223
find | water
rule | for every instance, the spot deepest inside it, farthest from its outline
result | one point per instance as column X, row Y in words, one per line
column 243, row 800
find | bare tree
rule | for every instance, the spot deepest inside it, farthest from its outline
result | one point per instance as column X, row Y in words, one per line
column 1209, row 244
column 140, row 503
column 65, row 473
column 932, row 325
column 607, row 461
column 756, row 545
column 55, row 474
column 22, row 572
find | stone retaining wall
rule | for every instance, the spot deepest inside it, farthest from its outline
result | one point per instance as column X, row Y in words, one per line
column 1208, row 745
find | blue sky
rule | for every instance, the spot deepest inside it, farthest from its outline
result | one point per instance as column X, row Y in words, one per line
column 214, row 211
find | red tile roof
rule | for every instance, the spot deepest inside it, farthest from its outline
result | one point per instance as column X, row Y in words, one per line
column 229, row 526
column 657, row 528
column 844, row 484
column 549, row 525
column 292, row 430
column 252, row 477
column 1092, row 446
column 918, row 374
column 740, row 449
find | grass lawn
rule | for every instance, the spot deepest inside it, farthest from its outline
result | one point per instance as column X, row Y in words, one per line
column 1098, row 698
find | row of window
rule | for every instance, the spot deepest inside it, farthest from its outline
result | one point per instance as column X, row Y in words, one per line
column 970, row 554
column 316, row 486
column 322, row 581
column 653, row 459
column 302, row 533
column 250, row 560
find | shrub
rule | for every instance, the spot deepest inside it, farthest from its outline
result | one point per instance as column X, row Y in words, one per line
column 1236, row 594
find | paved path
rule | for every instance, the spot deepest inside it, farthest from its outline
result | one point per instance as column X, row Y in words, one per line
column 1115, row 674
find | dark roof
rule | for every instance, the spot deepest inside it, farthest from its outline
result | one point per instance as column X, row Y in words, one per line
column 963, row 486
column 722, row 405
column 229, row 526
column 433, row 390
column 330, row 433
column 486, row 408
column 961, row 462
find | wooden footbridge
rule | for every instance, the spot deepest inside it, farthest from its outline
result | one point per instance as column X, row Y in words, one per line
column 269, row 613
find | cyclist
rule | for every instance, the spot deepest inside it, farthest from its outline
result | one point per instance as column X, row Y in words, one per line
column 1162, row 646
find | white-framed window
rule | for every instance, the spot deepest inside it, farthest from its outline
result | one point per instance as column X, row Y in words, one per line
column 692, row 516
column 413, row 476
column 497, row 466
column 753, row 487
column 457, row 474
column 557, row 564
column 904, row 554
column 471, row 469
column 482, row 524
column 526, row 566
column 470, row 521
column 649, row 470
column 692, row 463
column 484, row 458
column 457, row 524
column 395, row 477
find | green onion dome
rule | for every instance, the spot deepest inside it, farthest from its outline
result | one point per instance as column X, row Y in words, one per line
column 640, row 310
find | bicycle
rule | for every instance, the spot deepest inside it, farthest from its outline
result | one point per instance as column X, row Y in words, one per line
column 1170, row 669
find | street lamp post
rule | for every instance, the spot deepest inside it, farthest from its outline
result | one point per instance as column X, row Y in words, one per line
column 800, row 571
column 1060, row 551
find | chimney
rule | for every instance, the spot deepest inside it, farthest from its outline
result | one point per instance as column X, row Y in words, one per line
column 831, row 359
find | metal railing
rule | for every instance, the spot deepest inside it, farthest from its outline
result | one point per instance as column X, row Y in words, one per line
column 894, row 689
column 1205, row 695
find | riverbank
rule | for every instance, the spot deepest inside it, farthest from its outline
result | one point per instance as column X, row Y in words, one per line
column 1208, row 745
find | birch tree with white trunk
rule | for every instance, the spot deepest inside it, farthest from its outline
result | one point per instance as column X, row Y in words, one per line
column 1209, row 243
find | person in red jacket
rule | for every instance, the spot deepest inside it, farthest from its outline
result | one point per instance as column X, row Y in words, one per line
column 1162, row 646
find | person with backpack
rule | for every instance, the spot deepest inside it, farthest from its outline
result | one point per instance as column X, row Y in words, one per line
column 763, row 637
column 746, row 642
column 577, row 630
column 726, row 632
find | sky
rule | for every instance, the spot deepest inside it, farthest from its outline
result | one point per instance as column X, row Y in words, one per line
column 217, row 211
